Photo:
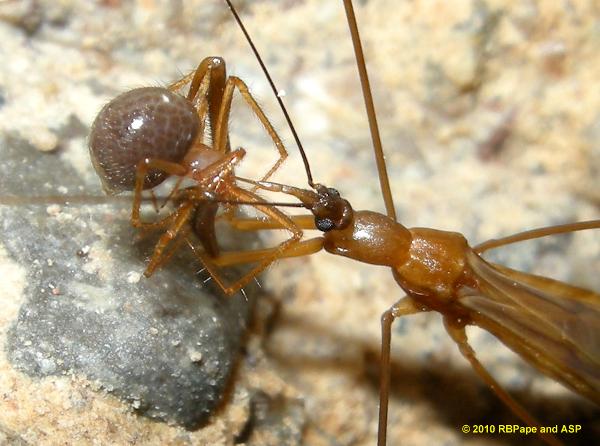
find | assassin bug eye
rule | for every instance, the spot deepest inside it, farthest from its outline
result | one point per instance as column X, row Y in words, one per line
column 324, row 224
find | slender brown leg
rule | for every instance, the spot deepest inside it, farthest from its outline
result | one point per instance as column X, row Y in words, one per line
column 220, row 170
column 207, row 83
column 143, row 231
column 211, row 174
column 166, row 255
column 256, row 224
column 175, row 86
column 183, row 215
column 403, row 307
column 214, row 65
column 206, row 91
column 459, row 335
column 205, row 77
column 214, row 68
column 146, row 228
column 300, row 249
column 271, row 212
column 141, row 172
column 536, row 233
column 168, row 197
column 222, row 122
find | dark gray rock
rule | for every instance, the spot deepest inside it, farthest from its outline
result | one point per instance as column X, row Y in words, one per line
column 166, row 344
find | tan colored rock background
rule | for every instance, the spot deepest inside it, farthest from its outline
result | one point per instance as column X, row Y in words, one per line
column 490, row 116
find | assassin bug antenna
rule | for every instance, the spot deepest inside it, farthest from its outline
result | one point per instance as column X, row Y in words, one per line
column 275, row 91
column 384, row 181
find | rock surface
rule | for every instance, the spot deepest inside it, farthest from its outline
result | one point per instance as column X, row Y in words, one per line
column 489, row 115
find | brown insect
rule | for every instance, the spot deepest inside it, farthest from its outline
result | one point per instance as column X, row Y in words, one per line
column 143, row 136
column 554, row 326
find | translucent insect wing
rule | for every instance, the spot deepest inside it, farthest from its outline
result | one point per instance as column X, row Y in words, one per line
column 553, row 325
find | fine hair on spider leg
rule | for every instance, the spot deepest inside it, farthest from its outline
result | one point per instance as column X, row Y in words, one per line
column 148, row 134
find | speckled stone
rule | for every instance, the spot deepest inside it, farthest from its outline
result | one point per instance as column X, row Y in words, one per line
column 166, row 345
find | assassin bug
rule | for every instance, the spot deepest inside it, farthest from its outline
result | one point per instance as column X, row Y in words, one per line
column 550, row 324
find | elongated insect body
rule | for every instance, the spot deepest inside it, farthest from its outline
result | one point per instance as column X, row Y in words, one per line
column 550, row 324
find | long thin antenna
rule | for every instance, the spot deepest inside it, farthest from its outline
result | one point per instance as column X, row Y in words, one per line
column 275, row 91
column 384, row 181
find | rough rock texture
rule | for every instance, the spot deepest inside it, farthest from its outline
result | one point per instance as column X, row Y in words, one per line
column 489, row 114
column 166, row 345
